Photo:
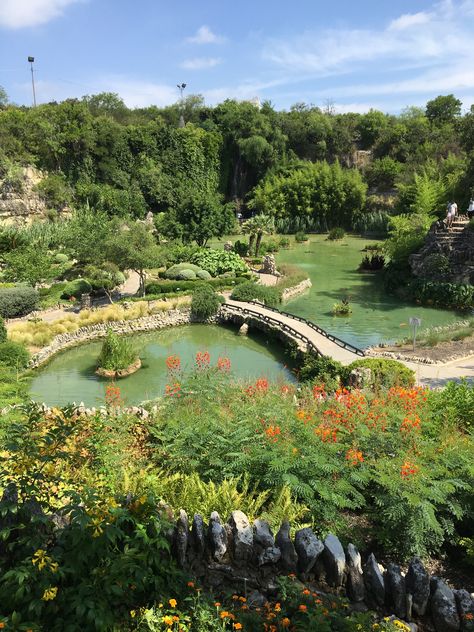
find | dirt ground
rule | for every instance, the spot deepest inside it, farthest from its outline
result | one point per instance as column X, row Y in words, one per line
column 442, row 352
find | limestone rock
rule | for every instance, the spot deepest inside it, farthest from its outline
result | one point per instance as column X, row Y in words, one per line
column 443, row 609
column 360, row 378
column 270, row 555
column 262, row 534
column 374, row 583
column 465, row 604
column 198, row 538
column 355, row 578
column 334, row 561
column 180, row 540
column 244, row 329
column 418, row 585
column 308, row 549
column 289, row 558
column 396, row 590
column 242, row 536
column 217, row 537
column 228, row 246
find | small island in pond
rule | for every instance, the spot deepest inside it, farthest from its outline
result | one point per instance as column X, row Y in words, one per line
column 117, row 358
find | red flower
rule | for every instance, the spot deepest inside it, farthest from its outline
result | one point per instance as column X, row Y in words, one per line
column 173, row 362
column 203, row 359
column 223, row 364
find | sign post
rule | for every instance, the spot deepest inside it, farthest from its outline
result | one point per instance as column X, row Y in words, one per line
column 415, row 323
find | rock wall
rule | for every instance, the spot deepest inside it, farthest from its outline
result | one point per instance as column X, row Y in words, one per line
column 296, row 290
column 243, row 557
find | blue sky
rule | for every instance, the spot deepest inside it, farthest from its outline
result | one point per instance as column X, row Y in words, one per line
column 356, row 55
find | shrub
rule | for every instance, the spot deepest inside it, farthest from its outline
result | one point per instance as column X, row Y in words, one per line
column 453, row 295
column 435, row 266
column 250, row 291
column 241, row 248
column 175, row 270
column 205, row 302
column 219, row 261
column 336, row 233
column 14, row 355
column 386, row 373
column 117, row 353
column 76, row 288
column 284, row 242
column 203, row 275
column 454, row 405
column 323, row 369
column 272, row 245
column 186, row 275
column 18, row 301
column 300, row 237
column 3, row 331
column 60, row 257
column 166, row 287
column 374, row 262
column 343, row 308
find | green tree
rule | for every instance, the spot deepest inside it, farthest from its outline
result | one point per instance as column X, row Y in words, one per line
column 256, row 227
column 104, row 278
column 406, row 236
column 85, row 234
column 443, row 109
column 3, row 97
column 28, row 264
column 203, row 216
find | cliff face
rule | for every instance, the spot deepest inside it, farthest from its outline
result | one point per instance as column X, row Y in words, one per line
column 446, row 255
column 20, row 204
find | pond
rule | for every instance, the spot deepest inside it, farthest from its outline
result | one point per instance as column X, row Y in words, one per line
column 70, row 376
column 376, row 316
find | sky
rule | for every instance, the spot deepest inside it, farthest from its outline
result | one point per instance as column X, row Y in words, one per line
column 351, row 55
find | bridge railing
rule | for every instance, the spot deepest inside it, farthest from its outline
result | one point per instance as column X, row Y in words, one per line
column 273, row 321
column 319, row 330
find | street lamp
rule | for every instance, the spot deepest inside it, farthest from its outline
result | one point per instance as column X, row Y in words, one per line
column 181, row 87
column 31, row 60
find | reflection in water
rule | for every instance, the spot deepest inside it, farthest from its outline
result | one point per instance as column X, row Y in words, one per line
column 70, row 376
column 376, row 316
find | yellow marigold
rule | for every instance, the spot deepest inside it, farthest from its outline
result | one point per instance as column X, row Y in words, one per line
column 242, row 599
column 168, row 620
column 277, row 607
column 50, row 593
column 237, row 626
column 173, row 603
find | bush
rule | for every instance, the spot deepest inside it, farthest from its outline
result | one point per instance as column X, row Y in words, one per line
column 374, row 262
column 386, row 373
column 165, row 287
column 205, row 302
column 324, row 370
column 76, row 288
column 250, row 291
column 454, row 405
column 186, row 275
column 117, row 353
column 175, row 271
column 284, row 242
column 219, row 261
column 343, row 308
column 60, row 257
column 14, row 355
column 18, row 301
column 3, row 331
column 336, row 233
column 453, row 295
column 241, row 248
column 300, row 237
column 203, row 275
column 435, row 266
column 272, row 245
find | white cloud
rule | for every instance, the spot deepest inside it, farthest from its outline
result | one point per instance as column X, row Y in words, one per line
column 408, row 20
column 204, row 35
column 200, row 63
column 17, row 14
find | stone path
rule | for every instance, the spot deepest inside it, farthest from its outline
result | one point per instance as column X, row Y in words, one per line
column 426, row 374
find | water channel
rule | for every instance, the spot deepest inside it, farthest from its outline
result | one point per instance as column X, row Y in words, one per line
column 332, row 267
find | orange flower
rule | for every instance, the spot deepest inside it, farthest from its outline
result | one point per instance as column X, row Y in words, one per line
column 306, row 592
column 190, row 584
column 237, row 626
column 173, row 603
column 408, row 469
column 302, row 607
column 173, row 362
column 285, row 623
column 223, row 364
column 242, row 599
column 217, row 604
column 277, row 607
column 354, row 456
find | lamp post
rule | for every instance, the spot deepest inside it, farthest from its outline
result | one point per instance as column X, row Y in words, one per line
column 31, row 60
column 181, row 87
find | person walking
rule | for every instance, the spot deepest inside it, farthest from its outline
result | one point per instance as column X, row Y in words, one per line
column 448, row 215
column 454, row 211
column 470, row 210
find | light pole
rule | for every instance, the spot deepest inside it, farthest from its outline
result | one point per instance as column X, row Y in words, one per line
column 31, row 60
column 181, row 87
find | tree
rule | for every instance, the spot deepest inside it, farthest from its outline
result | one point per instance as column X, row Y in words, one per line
column 443, row 109
column 132, row 247
column 203, row 216
column 106, row 278
column 256, row 227
column 3, row 97
column 86, row 232
column 28, row 264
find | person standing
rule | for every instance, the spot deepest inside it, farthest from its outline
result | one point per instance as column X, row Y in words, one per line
column 448, row 215
column 470, row 210
column 454, row 211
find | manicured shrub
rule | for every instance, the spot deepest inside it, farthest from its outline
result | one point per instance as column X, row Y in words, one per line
column 60, row 257
column 175, row 270
column 250, row 291
column 117, row 353
column 3, row 330
column 203, row 275
column 219, row 261
column 336, row 233
column 270, row 246
column 284, row 242
column 186, row 275
column 300, row 237
column 386, row 373
column 205, row 302
column 18, row 301
column 13, row 355
column 241, row 248
column 165, row 286
column 76, row 288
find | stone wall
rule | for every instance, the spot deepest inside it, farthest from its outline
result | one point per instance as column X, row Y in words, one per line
column 296, row 290
column 243, row 557
column 161, row 320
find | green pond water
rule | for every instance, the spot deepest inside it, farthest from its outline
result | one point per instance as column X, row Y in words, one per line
column 376, row 316
column 69, row 377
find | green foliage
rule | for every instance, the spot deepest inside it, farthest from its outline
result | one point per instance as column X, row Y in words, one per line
column 343, row 308
column 336, row 233
column 385, row 373
column 219, row 262
column 251, row 291
column 452, row 295
column 104, row 279
column 3, row 330
column 76, row 288
column 13, row 355
column 165, row 287
column 454, row 405
column 28, row 264
column 300, row 237
column 407, row 234
column 203, row 275
column 435, row 266
column 382, row 173
column 17, row 301
column 55, row 191
column 443, row 109
column 175, row 270
column 324, row 370
column 241, row 248
column 60, row 257
column 117, row 352
column 205, row 302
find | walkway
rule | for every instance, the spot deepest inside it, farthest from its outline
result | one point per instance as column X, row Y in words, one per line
column 426, row 374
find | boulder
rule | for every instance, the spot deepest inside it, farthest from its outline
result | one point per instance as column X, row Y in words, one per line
column 308, row 548
column 217, row 537
column 396, row 590
column 444, row 611
column 288, row 558
column 418, row 586
column 242, row 536
column 465, row 605
column 270, row 555
column 180, row 538
column 335, row 561
column 262, row 534
column 360, row 378
column 374, row 583
column 355, row 578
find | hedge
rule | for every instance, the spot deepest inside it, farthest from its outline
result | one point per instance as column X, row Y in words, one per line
column 18, row 301
column 164, row 287
column 386, row 373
